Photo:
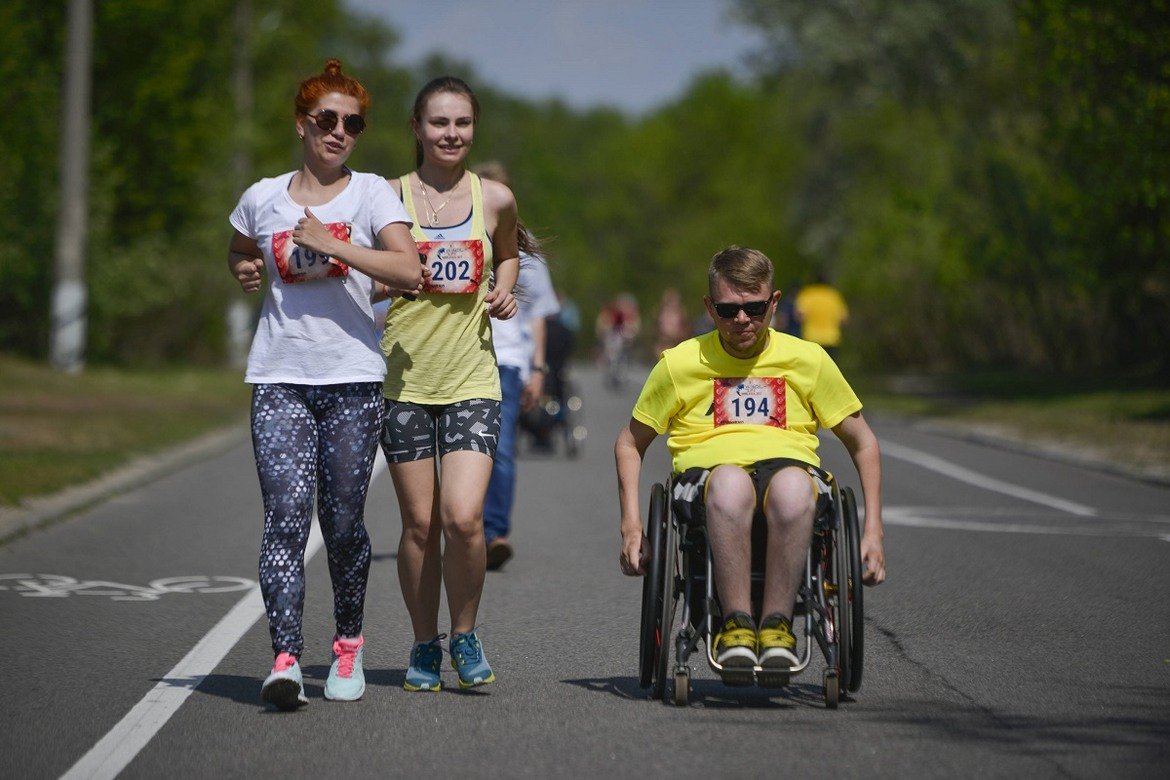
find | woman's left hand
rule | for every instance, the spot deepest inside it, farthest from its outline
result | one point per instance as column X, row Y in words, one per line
column 500, row 304
column 311, row 234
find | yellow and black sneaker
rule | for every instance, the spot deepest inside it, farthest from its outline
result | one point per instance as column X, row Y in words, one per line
column 777, row 645
column 735, row 648
column 777, row 651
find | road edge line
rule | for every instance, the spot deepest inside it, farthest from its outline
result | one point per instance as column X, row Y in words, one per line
column 122, row 744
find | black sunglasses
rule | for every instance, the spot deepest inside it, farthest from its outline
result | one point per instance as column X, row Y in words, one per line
column 326, row 119
column 729, row 311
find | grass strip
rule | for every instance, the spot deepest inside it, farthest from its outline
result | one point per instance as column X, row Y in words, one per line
column 59, row 430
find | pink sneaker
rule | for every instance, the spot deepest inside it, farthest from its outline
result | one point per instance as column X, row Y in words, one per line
column 347, row 681
column 284, row 686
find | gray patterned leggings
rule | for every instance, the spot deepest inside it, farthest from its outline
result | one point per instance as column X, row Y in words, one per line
column 314, row 440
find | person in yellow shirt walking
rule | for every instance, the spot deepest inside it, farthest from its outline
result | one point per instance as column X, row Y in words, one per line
column 821, row 311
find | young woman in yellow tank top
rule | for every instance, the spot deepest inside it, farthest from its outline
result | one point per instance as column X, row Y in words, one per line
column 442, row 384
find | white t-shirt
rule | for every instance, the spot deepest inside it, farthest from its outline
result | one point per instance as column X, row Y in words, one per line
column 513, row 338
column 319, row 331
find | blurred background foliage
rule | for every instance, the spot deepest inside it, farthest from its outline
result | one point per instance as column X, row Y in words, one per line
column 987, row 181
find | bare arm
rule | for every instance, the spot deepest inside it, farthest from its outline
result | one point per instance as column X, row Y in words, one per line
column 535, row 386
column 395, row 264
column 502, row 203
column 629, row 450
column 245, row 262
column 855, row 433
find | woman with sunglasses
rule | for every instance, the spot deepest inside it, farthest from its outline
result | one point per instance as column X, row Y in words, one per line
column 443, row 385
column 321, row 235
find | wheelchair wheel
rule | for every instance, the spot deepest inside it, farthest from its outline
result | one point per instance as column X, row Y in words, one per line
column 832, row 688
column 682, row 688
column 843, row 618
column 666, row 612
column 651, row 643
column 856, row 604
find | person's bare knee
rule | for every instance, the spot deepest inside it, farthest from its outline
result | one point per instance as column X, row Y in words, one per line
column 730, row 495
column 462, row 527
column 791, row 500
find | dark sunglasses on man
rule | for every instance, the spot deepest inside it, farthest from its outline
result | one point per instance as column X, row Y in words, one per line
column 326, row 119
column 730, row 311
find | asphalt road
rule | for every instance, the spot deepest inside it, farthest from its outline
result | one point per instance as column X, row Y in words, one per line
column 1024, row 631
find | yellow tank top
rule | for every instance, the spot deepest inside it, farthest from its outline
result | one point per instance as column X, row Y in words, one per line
column 438, row 347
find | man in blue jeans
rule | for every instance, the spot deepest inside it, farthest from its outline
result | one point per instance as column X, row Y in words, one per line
column 520, row 351
column 519, row 344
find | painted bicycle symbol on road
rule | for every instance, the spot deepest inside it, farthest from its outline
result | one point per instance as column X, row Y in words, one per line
column 60, row 586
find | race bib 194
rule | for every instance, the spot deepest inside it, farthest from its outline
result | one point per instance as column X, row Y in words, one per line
column 455, row 266
column 296, row 264
column 751, row 401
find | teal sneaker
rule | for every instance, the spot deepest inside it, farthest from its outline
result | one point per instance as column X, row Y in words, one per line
column 426, row 658
column 284, row 687
column 468, row 659
column 347, row 681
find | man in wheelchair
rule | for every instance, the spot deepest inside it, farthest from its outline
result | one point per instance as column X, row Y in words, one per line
column 741, row 407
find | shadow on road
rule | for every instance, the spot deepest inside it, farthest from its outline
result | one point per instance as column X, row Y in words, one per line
column 1144, row 727
column 623, row 687
column 712, row 693
column 240, row 689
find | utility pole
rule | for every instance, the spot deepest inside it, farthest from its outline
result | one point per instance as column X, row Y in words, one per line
column 239, row 313
column 67, row 351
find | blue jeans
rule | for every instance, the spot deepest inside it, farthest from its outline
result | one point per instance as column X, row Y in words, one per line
column 497, row 507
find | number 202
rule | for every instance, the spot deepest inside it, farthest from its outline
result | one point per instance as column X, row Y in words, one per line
column 450, row 270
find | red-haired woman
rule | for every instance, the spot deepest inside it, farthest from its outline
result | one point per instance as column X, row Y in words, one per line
column 443, row 385
column 316, row 368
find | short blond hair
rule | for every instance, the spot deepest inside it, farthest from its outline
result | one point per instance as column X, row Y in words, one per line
column 741, row 268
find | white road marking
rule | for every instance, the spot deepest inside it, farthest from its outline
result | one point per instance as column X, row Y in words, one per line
column 61, row 586
column 117, row 749
column 913, row 518
column 946, row 468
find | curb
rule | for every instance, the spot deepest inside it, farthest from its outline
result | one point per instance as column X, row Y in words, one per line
column 41, row 511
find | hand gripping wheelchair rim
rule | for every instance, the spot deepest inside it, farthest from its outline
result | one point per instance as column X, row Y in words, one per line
column 832, row 573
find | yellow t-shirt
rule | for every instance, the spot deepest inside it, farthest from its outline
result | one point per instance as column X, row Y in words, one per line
column 438, row 347
column 719, row 409
column 822, row 310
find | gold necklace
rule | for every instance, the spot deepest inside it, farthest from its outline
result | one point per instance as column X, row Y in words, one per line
column 434, row 212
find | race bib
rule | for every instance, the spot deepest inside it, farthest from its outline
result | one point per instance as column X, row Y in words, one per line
column 751, row 401
column 455, row 266
column 296, row 264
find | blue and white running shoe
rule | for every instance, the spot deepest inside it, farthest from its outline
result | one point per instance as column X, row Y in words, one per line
column 468, row 659
column 426, row 658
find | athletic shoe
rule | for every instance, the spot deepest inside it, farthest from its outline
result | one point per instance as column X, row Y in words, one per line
column 468, row 659
column 426, row 658
column 347, row 681
column 284, row 687
column 735, row 644
column 498, row 553
column 777, row 645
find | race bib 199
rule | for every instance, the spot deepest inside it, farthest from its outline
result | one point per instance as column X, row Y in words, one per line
column 751, row 401
column 455, row 266
column 296, row 264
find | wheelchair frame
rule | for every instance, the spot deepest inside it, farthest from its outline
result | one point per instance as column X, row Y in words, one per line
column 681, row 569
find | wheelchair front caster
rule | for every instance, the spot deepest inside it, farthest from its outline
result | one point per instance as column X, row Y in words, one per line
column 682, row 687
column 832, row 689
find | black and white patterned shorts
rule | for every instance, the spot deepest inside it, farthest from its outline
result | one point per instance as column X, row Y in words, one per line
column 415, row 431
column 689, row 489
